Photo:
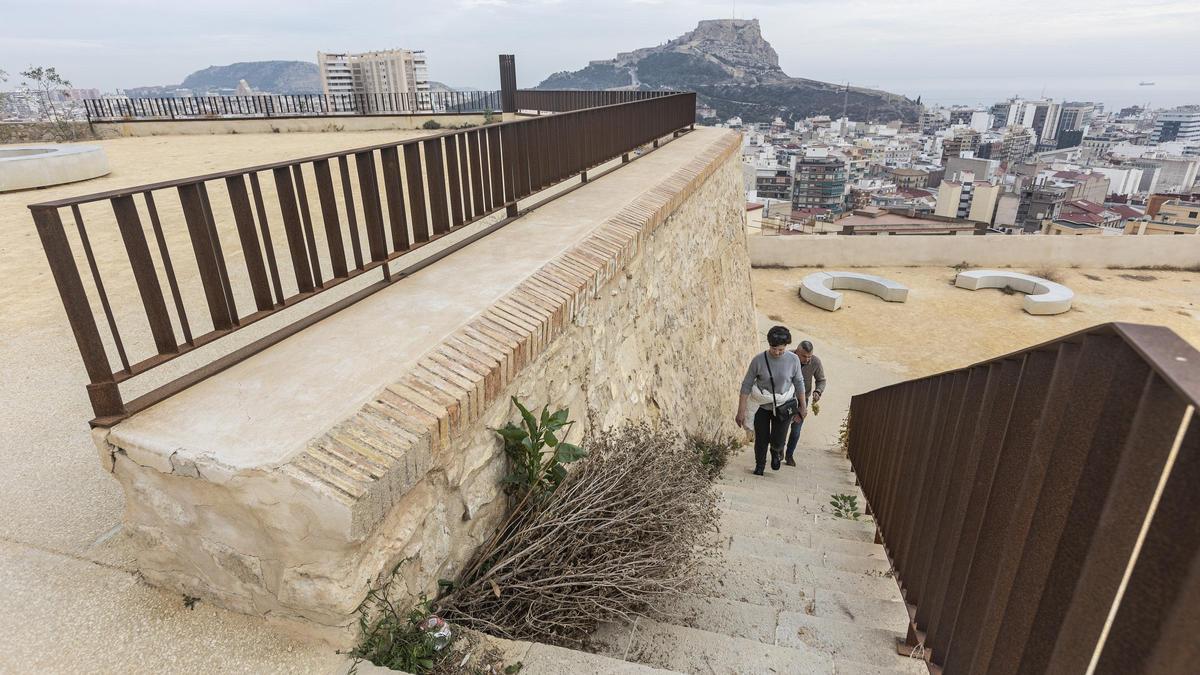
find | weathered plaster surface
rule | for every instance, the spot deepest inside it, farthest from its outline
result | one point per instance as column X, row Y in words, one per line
column 649, row 316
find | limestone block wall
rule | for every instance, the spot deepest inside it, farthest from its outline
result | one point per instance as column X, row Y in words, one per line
column 650, row 317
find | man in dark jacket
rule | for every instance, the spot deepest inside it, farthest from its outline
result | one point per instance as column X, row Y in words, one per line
column 811, row 369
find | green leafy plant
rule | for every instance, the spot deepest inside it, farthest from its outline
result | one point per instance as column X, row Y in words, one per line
column 419, row 641
column 398, row 639
column 845, row 506
column 536, row 451
column 489, row 116
column 431, row 124
column 816, row 407
column 844, row 434
column 713, row 452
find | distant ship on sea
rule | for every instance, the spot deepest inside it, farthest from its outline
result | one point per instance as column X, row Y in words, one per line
column 1145, row 84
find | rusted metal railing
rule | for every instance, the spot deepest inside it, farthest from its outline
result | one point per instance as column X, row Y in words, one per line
column 302, row 227
column 553, row 100
column 289, row 105
column 1042, row 510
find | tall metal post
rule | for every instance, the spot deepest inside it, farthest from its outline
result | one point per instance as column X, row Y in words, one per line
column 508, row 83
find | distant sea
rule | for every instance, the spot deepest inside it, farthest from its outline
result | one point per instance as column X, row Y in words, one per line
column 1114, row 92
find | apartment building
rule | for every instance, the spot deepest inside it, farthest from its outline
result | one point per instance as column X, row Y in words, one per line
column 961, row 140
column 1038, row 203
column 1075, row 116
column 392, row 71
column 1180, row 124
column 773, row 182
column 967, row 199
column 820, row 183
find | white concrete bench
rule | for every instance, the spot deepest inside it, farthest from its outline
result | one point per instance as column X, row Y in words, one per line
column 820, row 288
column 1042, row 295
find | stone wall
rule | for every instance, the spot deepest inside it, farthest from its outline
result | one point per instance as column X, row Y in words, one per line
column 650, row 317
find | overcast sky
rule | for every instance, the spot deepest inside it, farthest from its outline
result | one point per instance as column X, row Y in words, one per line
column 946, row 50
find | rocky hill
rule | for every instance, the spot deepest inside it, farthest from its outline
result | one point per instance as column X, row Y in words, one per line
column 734, row 70
column 276, row 77
column 280, row 77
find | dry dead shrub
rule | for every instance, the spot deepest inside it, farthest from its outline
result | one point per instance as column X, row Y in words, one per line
column 621, row 535
column 1049, row 274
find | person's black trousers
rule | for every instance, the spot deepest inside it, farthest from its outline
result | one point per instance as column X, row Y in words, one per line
column 768, row 432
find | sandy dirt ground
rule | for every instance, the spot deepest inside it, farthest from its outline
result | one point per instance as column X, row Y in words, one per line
column 942, row 327
column 66, row 575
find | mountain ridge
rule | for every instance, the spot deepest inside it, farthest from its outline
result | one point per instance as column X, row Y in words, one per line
column 734, row 70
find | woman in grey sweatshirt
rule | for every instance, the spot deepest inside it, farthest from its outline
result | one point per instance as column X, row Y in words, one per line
column 777, row 373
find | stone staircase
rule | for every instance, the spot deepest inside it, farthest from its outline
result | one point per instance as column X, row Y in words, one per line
column 798, row 590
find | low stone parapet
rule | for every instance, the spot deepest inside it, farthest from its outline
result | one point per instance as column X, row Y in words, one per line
column 289, row 484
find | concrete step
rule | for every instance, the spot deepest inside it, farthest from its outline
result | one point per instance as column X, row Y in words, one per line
column 852, row 667
column 765, row 592
column 691, row 650
column 865, row 611
column 787, row 476
column 871, row 585
column 762, row 569
column 839, row 544
column 769, row 570
column 722, row 615
column 773, row 497
column 874, row 562
column 800, row 493
column 766, row 525
column 542, row 659
column 790, row 510
column 842, row 641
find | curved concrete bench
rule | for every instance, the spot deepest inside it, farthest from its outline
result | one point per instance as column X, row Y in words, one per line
column 33, row 166
column 1042, row 295
column 819, row 288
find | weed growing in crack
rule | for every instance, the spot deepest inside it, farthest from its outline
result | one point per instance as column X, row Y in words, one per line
column 845, row 506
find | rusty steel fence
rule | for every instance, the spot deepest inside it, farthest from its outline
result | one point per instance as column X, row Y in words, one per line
column 554, row 100
column 289, row 105
column 201, row 258
column 1042, row 510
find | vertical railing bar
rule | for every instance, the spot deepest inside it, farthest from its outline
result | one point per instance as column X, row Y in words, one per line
column 146, row 277
column 453, row 179
column 306, row 219
column 462, row 176
column 91, row 259
column 103, row 391
column 435, row 174
column 168, row 268
column 265, row 231
column 368, row 187
column 329, row 217
column 393, row 188
column 348, row 199
column 216, row 244
column 416, row 191
column 285, row 191
column 243, row 217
